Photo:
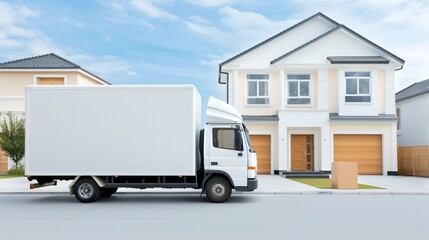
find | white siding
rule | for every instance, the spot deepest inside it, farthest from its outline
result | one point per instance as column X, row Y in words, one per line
column 414, row 129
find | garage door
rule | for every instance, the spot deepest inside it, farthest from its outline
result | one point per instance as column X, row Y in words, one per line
column 3, row 162
column 362, row 149
column 262, row 146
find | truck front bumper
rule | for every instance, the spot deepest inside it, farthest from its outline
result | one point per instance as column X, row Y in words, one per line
column 252, row 184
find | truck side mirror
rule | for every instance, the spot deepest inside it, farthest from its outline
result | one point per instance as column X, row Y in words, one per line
column 238, row 140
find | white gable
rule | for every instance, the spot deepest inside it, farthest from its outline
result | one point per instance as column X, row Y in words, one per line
column 337, row 43
column 261, row 56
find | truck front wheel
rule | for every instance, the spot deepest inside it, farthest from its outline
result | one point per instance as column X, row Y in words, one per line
column 86, row 190
column 218, row 189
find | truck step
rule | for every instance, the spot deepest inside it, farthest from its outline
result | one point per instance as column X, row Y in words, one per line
column 38, row 185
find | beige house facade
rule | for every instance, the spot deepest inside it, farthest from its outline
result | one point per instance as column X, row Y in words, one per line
column 314, row 94
column 49, row 69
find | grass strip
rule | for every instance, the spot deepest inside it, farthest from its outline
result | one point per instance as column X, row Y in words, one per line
column 9, row 176
column 325, row 183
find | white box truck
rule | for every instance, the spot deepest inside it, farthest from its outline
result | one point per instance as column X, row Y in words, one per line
column 149, row 136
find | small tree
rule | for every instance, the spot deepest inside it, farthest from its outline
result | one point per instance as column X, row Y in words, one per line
column 12, row 138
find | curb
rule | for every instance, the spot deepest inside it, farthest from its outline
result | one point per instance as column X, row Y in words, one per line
column 247, row 193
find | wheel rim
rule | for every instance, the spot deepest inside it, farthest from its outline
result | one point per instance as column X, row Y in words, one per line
column 86, row 190
column 218, row 190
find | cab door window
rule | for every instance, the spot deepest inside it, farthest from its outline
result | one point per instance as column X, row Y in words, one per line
column 227, row 138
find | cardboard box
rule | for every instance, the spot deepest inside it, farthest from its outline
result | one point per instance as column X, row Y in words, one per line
column 344, row 175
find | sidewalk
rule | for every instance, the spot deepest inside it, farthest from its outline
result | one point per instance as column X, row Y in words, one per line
column 268, row 184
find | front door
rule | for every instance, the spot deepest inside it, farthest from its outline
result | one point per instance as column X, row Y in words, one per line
column 302, row 147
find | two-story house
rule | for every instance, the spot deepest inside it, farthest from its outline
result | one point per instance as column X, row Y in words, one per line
column 49, row 69
column 413, row 114
column 316, row 93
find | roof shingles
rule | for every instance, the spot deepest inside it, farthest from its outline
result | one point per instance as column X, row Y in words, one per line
column 47, row 61
column 413, row 90
column 50, row 60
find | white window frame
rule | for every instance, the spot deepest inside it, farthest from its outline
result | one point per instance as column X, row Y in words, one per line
column 358, row 94
column 257, row 90
column 399, row 122
column 310, row 89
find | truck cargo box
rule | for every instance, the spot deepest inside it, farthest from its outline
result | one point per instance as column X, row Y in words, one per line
column 112, row 130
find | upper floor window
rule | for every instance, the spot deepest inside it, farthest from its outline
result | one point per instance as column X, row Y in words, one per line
column 257, row 89
column 50, row 81
column 358, row 87
column 298, row 89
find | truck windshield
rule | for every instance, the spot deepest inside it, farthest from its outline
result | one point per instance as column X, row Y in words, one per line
column 249, row 143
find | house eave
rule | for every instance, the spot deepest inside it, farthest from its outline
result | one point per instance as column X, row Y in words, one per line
column 41, row 69
column 278, row 35
column 334, row 117
column 261, row 118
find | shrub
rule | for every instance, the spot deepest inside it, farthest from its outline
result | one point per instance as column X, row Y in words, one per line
column 18, row 170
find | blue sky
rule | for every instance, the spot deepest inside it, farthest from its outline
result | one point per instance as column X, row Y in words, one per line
column 183, row 41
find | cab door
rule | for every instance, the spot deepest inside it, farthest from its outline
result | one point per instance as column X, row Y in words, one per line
column 228, row 152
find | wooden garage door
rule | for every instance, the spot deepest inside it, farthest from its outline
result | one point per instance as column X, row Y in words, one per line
column 363, row 149
column 262, row 146
column 3, row 162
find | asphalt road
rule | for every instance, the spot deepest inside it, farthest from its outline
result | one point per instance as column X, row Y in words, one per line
column 187, row 216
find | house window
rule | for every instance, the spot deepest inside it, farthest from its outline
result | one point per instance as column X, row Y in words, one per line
column 257, row 89
column 50, row 81
column 357, row 87
column 398, row 115
column 299, row 89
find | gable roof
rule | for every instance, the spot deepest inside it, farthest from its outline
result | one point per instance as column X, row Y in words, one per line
column 47, row 61
column 319, row 14
column 413, row 90
column 400, row 60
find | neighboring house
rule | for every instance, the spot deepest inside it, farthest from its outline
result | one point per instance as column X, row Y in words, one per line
column 316, row 93
column 49, row 69
column 413, row 114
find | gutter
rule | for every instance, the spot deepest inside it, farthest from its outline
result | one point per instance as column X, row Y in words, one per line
column 402, row 66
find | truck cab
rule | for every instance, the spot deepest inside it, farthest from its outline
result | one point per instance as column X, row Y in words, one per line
column 228, row 152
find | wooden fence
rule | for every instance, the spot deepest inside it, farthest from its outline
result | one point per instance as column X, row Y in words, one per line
column 413, row 161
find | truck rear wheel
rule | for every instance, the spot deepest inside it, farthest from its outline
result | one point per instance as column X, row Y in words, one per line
column 218, row 189
column 86, row 190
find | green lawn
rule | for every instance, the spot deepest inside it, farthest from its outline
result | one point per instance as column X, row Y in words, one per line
column 9, row 176
column 325, row 183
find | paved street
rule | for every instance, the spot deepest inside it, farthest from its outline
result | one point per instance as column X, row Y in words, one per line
column 187, row 216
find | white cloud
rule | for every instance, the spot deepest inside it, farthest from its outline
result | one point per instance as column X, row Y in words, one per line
column 237, row 31
column 15, row 35
column 206, row 30
column 198, row 19
column 148, row 8
column 210, row 3
column 214, row 59
column 107, row 66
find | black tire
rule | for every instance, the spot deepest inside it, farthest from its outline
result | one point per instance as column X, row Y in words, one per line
column 218, row 189
column 86, row 190
column 107, row 192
